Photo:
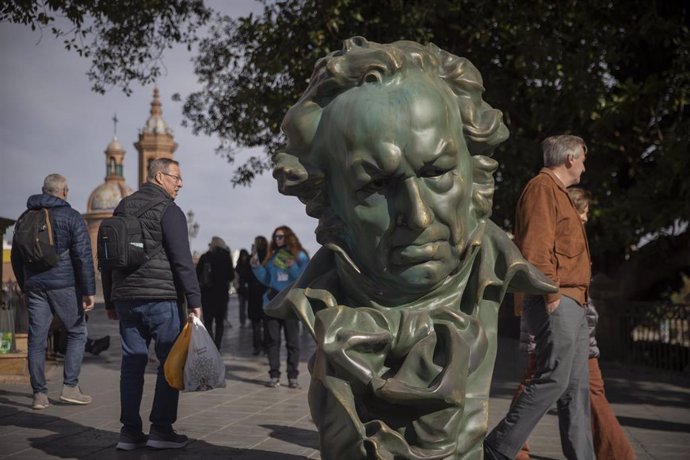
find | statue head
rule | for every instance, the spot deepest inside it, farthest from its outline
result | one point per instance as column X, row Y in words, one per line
column 389, row 148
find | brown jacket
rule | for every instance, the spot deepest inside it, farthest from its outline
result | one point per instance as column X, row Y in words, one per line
column 551, row 236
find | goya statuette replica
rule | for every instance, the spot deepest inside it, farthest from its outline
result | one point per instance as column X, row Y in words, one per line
column 389, row 147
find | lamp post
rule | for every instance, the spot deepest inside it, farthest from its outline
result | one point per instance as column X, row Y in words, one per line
column 192, row 226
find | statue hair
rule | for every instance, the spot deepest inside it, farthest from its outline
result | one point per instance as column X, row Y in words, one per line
column 362, row 62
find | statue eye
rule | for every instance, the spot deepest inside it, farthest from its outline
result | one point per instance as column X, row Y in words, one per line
column 435, row 173
column 374, row 186
column 372, row 76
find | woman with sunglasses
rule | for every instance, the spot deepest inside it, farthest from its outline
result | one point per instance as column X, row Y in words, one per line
column 284, row 263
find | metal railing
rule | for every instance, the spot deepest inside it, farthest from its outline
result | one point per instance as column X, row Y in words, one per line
column 655, row 334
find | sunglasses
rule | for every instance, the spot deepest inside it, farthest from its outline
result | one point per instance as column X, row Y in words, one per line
column 279, row 236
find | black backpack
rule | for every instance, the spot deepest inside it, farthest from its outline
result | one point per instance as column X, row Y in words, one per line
column 206, row 276
column 33, row 237
column 120, row 242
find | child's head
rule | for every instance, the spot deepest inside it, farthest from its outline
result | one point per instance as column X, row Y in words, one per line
column 581, row 199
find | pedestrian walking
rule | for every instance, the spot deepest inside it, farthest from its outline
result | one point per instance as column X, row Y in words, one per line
column 65, row 289
column 215, row 272
column 551, row 236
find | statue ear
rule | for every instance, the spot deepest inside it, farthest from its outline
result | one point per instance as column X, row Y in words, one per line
column 483, row 169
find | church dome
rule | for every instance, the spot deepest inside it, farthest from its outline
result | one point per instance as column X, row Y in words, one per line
column 107, row 196
column 114, row 146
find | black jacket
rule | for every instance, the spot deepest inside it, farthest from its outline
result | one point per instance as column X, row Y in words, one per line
column 222, row 272
column 75, row 267
column 170, row 273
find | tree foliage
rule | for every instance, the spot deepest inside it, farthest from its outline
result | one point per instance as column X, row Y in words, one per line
column 125, row 39
column 615, row 72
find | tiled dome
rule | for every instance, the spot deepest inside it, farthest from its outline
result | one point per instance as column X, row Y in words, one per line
column 107, row 196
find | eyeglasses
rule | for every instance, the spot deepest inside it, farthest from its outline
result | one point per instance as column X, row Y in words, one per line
column 177, row 178
column 279, row 236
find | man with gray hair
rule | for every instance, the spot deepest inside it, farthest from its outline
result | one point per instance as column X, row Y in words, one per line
column 550, row 235
column 66, row 289
column 149, row 301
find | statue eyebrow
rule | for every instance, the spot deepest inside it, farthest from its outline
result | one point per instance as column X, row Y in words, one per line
column 445, row 153
column 386, row 163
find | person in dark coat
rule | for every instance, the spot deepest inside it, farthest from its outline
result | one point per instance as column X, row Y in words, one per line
column 255, row 295
column 242, row 275
column 215, row 271
column 66, row 290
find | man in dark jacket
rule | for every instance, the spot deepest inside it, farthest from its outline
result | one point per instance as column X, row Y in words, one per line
column 67, row 290
column 148, row 300
column 215, row 272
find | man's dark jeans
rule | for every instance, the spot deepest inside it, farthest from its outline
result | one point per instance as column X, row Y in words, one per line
column 141, row 321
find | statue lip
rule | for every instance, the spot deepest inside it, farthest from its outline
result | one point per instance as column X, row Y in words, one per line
column 416, row 253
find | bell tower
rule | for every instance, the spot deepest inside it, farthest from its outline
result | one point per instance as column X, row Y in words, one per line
column 156, row 139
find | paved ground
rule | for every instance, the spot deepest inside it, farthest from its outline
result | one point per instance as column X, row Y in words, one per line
column 248, row 421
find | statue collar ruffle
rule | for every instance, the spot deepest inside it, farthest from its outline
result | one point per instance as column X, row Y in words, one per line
column 396, row 380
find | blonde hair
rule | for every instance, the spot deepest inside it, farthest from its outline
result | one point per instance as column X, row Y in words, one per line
column 580, row 198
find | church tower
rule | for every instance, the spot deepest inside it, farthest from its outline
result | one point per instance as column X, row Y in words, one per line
column 105, row 197
column 155, row 139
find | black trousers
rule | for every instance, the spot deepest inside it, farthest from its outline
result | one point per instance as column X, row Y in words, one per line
column 214, row 317
column 259, row 334
column 291, row 330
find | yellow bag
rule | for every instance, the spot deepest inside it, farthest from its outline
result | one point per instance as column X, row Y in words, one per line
column 174, row 363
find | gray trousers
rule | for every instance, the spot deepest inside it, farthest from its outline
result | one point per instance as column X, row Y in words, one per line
column 562, row 377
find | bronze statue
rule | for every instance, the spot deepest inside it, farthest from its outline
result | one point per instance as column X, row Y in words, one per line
column 388, row 147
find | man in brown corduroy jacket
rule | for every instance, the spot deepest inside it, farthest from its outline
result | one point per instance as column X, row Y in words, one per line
column 551, row 236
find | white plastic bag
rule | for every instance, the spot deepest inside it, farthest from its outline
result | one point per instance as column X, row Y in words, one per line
column 204, row 369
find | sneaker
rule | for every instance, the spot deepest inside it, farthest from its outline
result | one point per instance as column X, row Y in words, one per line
column 40, row 401
column 131, row 441
column 273, row 383
column 74, row 395
column 170, row 440
column 293, row 383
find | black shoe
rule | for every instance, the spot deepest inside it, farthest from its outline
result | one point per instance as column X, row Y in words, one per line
column 170, row 440
column 100, row 345
column 131, row 441
column 256, row 352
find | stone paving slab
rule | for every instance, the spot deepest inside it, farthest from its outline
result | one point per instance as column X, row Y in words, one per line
column 248, row 421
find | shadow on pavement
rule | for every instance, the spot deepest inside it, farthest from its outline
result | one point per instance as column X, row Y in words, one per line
column 293, row 435
column 656, row 425
column 67, row 439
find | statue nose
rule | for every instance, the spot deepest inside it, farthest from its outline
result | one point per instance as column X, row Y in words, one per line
column 414, row 211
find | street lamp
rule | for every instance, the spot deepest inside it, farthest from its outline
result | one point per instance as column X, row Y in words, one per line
column 192, row 226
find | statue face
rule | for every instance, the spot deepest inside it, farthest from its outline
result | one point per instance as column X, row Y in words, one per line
column 400, row 178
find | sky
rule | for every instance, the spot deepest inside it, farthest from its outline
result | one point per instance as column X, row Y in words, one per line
column 51, row 122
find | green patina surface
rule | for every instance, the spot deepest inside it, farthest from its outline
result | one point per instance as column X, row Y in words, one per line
column 389, row 147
